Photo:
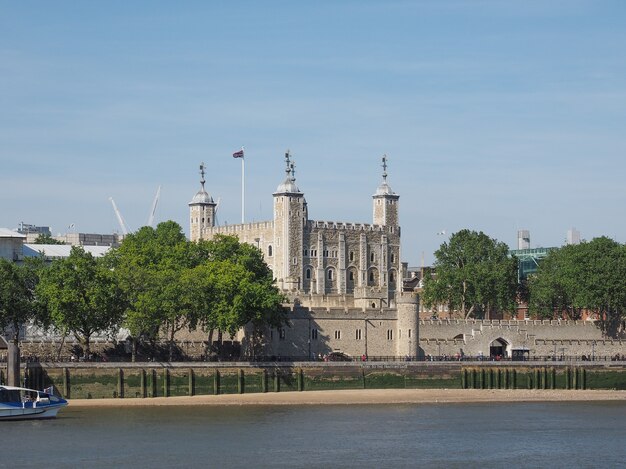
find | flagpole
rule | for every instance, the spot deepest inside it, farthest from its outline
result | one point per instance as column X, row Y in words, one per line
column 243, row 189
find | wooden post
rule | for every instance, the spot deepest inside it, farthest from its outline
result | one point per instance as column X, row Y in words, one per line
column 192, row 382
column 276, row 381
column 166, row 382
column 153, row 384
column 240, row 381
column 142, row 383
column 66, row 383
column 301, row 380
column 216, row 382
column 264, row 380
column 120, row 383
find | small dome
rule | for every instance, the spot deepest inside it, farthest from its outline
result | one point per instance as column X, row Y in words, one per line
column 288, row 186
column 201, row 197
column 384, row 189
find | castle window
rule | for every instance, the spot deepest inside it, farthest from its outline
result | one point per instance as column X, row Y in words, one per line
column 325, row 253
column 313, row 334
column 313, row 252
column 306, row 252
column 391, row 229
column 295, row 261
column 351, row 256
column 391, row 277
column 338, row 335
column 389, row 334
column 269, row 251
column 393, row 258
column 358, row 334
column 409, row 333
column 371, row 276
column 351, row 276
column 372, row 257
column 330, row 274
column 307, row 274
column 373, row 305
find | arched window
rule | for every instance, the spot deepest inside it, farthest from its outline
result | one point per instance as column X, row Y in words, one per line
column 330, row 274
column 372, row 257
column 371, row 276
column 269, row 251
column 393, row 258
column 351, row 256
column 308, row 274
column 392, row 277
column 351, row 276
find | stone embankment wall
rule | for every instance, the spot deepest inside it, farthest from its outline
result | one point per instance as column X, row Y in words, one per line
column 145, row 380
column 541, row 338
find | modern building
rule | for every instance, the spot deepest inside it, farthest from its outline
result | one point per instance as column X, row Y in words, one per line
column 11, row 244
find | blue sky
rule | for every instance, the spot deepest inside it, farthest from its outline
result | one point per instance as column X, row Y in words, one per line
column 495, row 115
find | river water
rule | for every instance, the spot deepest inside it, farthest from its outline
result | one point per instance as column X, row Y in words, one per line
column 499, row 435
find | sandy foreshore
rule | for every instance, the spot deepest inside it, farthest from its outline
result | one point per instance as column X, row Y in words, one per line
column 365, row 396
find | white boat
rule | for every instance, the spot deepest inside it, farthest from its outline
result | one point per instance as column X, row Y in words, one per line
column 23, row 403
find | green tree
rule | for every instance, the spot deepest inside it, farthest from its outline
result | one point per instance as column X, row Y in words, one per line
column 585, row 277
column 82, row 296
column 148, row 265
column 231, row 288
column 473, row 274
column 18, row 302
column 47, row 239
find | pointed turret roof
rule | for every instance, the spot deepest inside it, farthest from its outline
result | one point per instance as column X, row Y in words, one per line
column 288, row 186
column 202, row 197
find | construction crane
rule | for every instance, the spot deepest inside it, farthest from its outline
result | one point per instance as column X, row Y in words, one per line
column 154, row 206
column 120, row 219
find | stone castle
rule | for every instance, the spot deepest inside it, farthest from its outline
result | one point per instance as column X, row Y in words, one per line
column 343, row 279
column 347, row 289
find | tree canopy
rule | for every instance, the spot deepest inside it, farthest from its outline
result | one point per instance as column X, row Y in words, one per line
column 473, row 274
column 169, row 283
column 47, row 239
column 18, row 302
column 584, row 277
column 81, row 295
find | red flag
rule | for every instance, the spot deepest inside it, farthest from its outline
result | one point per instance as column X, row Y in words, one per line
column 238, row 154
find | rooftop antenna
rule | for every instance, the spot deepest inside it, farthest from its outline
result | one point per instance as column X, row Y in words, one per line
column 120, row 219
column 154, row 206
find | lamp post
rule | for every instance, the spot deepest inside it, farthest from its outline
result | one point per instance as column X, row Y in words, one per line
column 593, row 351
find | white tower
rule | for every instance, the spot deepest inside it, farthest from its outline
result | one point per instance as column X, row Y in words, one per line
column 201, row 211
column 290, row 215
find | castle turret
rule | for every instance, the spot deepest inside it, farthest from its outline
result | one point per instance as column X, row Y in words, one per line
column 407, row 305
column 290, row 216
column 385, row 202
column 201, row 211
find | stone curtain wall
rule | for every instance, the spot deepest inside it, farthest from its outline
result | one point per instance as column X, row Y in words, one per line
column 541, row 338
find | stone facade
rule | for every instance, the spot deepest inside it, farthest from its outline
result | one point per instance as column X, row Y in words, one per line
column 335, row 271
column 472, row 338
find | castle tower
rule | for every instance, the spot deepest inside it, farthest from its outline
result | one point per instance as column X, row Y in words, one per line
column 385, row 202
column 290, row 217
column 201, row 210
column 407, row 305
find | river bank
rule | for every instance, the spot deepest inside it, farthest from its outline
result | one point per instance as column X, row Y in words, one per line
column 364, row 397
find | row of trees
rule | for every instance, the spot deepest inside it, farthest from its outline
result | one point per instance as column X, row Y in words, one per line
column 155, row 284
column 475, row 275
